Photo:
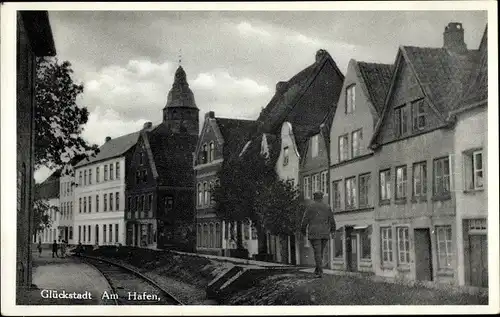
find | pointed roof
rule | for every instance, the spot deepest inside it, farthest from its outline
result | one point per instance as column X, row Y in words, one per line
column 235, row 133
column 113, row 148
column 180, row 95
column 377, row 78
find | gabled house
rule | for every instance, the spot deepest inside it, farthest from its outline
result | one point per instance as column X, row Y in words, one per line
column 34, row 39
column 471, row 174
column 220, row 139
column 352, row 163
column 413, row 141
column 160, row 210
column 294, row 113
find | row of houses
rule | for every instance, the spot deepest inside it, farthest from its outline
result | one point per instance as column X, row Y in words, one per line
column 399, row 151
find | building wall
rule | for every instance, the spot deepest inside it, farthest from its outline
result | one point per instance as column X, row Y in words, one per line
column 25, row 154
column 470, row 133
column 291, row 170
column 52, row 231
column 67, row 205
column 100, row 188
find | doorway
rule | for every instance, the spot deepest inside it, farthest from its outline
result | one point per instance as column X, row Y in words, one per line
column 478, row 259
column 423, row 254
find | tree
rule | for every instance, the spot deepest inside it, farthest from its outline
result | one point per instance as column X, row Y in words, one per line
column 59, row 120
column 249, row 188
column 41, row 210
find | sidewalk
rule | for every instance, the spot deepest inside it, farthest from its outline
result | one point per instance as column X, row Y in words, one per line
column 63, row 275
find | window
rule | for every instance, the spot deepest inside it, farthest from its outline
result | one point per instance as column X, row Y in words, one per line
column 117, row 198
column 137, row 177
column 117, row 170
column 71, row 209
column 105, row 202
column 477, row 225
column 336, row 195
column 89, row 237
column 111, row 172
column 105, row 172
column 212, row 193
column 150, row 233
column 104, row 233
column 145, row 176
column 70, row 233
column 169, row 204
column 420, row 180
column 116, row 233
column 386, row 239
column 96, row 203
column 141, row 204
column 111, row 202
column 442, row 176
column 385, row 185
column 343, row 148
column 350, row 193
column 254, row 233
column 365, row 237
column 90, row 176
column 401, row 181
column 307, row 188
column 403, row 245
column 97, row 172
column 204, row 154
column 84, row 204
column 200, row 194
column 444, row 247
column 350, row 102
column 206, row 194
column 314, row 145
column 473, row 170
column 136, row 203
column 339, row 244
column 90, row 204
column 110, row 232
column 285, row 156
column 129, row 203
column 364, row 190
column 79, row 233
column 324, row 183
column 80, row 178
column 357, row 136
column 84, row 233
column 141, row 158
column 401, row 120
column 212, row 152
column 85, row 177
column 418, row 115
column 315, row 183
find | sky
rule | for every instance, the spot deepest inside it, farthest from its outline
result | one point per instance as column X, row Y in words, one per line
column 126, row 60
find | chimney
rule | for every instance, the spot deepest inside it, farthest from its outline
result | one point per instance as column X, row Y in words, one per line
column 210, row 114
column 280, row 86
column 147, row 125
column 453, row 38
column 108, row 138
column 320, row 54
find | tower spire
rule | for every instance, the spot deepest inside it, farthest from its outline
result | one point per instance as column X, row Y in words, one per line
column 180, row 56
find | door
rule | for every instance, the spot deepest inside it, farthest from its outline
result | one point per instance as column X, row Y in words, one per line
column 354, row 253
column 97, row 234
column 423, row 258
column 478, row 260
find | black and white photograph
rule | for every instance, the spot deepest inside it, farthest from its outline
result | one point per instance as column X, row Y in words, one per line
column 249, row 158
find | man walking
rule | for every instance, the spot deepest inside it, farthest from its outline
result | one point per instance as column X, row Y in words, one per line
column 319, row 217
column 54, row 248
column 40, row 247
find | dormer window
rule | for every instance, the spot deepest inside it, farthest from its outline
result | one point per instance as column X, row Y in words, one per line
column 418, row 115
column 350, row 102
column 285, row 156
column 211, row 156
column 401, row 119
column 141, row 158
column 204, row 154
column 314, row 145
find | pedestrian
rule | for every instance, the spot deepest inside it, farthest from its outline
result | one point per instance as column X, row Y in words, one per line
column 54, row 249
column 39, row 247
column 63, row 249
column 319, row 218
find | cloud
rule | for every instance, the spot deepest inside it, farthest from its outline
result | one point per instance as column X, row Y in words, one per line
column 222, row 83
column 246, row 28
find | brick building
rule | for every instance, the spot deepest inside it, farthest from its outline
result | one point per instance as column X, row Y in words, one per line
column 160, row 180
column 34, row 39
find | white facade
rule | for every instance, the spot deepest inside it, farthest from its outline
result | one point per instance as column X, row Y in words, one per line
column 67, row 205
column 100, row 202
column 51, row 233
column 470, row 181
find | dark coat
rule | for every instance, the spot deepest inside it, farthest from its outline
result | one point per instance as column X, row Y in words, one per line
column 319, row 217
column 54, row 247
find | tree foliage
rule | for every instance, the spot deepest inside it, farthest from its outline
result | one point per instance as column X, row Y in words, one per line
column 249, row 188
column 42, row 211
column 59, row 120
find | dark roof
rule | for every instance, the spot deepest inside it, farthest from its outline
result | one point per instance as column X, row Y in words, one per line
column 377, row 78
column 170, row 155
column 236, row 133
column 442, row 73
column 180, row 95
column 38, row 28
column 273, row 142
column 49, row 188
column 477, row 85
column 112, row 148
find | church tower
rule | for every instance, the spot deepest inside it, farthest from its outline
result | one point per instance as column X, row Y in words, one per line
column 180, row 114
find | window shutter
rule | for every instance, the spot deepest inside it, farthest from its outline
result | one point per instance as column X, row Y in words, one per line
column 468, row 172
column 453, row 176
